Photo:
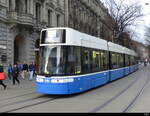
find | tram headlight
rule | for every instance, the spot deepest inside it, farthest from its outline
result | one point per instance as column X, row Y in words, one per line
column 40, row 80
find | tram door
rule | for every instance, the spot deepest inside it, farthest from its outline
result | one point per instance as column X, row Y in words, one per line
column 86, row 62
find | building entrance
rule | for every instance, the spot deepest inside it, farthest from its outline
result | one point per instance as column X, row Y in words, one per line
column 19, row 49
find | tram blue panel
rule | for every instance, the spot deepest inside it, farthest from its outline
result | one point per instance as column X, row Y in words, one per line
column 127, row 70
column 132, row 69
column 85, row 83
column 116, row 74
column 136, row 67
column 77, row 86
column 49, row 88
column 100, row 79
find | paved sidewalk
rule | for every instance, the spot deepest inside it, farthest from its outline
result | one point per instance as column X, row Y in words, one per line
column 23, row 83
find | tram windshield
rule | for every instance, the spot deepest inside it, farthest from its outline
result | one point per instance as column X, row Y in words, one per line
column 60, row 60
column 53, row 60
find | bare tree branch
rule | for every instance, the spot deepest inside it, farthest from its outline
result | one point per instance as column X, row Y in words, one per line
column 123, row 14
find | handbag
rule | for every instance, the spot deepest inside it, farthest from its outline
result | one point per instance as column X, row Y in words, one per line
column 2, row 76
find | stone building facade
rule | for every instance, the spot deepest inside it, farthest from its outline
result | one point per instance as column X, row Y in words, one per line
column 22, row 20
column 89, row 16
column 20, row 24
column 141, row 49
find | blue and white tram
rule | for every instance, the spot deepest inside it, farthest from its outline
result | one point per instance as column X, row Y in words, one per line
column 73, row 62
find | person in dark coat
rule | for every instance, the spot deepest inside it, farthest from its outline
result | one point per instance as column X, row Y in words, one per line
column 31, row 71
column 10, row 71
column 15, row 74
column 25, row 69
column 1, row 82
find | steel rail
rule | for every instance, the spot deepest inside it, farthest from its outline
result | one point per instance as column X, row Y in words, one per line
column 114, row 97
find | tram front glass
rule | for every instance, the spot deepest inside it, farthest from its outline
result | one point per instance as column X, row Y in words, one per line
column 53, row 60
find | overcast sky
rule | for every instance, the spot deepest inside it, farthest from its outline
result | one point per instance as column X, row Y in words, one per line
column 142, row 23
column 145, row 20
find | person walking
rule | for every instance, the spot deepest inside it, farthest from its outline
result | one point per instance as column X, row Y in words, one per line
column 15, row 74
column 31, row 71
column 25, row 69
column 2, row 76
column 10, row 71
column 20, row 69
column 35, row 69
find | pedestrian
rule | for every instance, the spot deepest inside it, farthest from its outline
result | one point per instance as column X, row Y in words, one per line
column 25, row 69
column 35, row 69
column 20, row 68
column 15, row 74
column 31, row 71
column 21, row 71
column 10, row 71
column 2, row 76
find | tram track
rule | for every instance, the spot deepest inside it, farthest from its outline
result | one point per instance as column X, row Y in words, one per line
column 136, row 97
column 18, row 96
column 30, row 105
column 105, row 104
column 28, row 99
column 41, row 99
column 26, row 103
column 21, row 101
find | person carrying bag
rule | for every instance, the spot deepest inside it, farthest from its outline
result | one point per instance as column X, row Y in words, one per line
column 2, row 76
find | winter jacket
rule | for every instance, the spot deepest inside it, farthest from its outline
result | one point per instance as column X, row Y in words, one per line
column 15, row 72
column 1, row 69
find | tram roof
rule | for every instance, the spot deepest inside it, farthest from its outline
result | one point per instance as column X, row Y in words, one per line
column 76, row 38
column 120, row 49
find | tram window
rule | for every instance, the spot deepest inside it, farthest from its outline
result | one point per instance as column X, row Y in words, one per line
column 86, row 68
column 96, row 61
column 114, row 60
column 135, row 60
column 53, row 60
column 104, row 61
column 118, row 60
column 127, row 60
column 132, row 60
column 78, row 61
column 121, row 61
column 73, row 60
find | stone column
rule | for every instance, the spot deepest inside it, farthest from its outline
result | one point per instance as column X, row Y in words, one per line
column 13, row 5
column 54, row 20
column 44, row 12
column 23, row 6
column 31, row 7
column 66, row 9
column 28, row 7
